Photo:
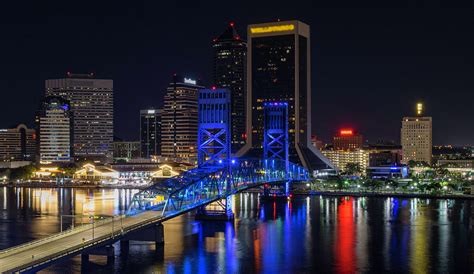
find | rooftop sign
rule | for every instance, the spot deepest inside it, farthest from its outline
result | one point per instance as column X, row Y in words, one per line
column 268, row 29
column 189, row 81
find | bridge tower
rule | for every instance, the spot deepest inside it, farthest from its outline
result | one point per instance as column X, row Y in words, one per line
column 214, row 142
column 275, row 134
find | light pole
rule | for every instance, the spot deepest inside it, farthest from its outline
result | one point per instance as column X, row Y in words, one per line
column 92, row 218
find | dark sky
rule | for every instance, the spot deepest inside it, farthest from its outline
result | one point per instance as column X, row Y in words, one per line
column 370, row 63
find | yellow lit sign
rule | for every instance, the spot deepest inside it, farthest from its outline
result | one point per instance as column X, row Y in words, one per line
column 419, row 108
column 272, row 28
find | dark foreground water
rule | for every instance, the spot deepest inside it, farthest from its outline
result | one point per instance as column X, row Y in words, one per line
column 309, row 234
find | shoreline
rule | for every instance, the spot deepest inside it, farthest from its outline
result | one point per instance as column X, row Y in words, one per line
column 86, row 186
column 296, row 193
column 387, row 194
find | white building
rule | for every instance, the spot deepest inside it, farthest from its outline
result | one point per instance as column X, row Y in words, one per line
column 179, row 121
column 417, row 137
column 340, row 158
column 54, row 123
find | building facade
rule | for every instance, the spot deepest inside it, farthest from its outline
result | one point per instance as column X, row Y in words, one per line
column 416, row 138
column 180, row 121
column 150, row 132
column 347, row 139
column 126, row 150
column 17, row 144
column 278, row 70
column 229, row 72
column 340, row 158
column 92, row 103
column 55, row 131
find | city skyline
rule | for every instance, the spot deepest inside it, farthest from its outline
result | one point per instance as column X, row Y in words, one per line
column 355, row 65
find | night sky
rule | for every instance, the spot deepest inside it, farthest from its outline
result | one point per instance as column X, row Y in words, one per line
column 370, row 64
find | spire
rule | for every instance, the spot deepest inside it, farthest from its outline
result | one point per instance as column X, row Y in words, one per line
column 230, row 33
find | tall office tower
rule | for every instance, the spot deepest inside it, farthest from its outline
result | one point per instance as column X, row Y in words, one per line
column 347, row 139
column 150, row 132
column 54, row 126
column 92, row 103
column 229, row 72
column 17, row 144
column 278, row 69
column 416, row 137
column 179, row 121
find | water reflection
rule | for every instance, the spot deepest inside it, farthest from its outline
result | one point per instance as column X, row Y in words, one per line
column 306, row 234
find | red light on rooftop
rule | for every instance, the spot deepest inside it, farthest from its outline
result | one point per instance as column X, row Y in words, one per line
column 231, row 24
column 347, row 132
column 213, row 88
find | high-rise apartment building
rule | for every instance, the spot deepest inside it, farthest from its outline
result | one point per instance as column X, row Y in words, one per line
column 347, row 139
column 179, row 121
column 278, row 70
column 17, row 144
column 92, row 103
column 229, row 72
column 416, row 137
column 150, row 132
column 54, row 126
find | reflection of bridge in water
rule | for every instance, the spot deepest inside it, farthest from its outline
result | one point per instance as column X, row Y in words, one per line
column 189, row 191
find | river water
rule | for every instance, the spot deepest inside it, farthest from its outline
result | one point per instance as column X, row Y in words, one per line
column 304, row 235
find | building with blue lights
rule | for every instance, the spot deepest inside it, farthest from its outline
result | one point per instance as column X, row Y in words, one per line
column 54, row 123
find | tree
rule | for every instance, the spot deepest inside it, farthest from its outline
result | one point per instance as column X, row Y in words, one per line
column 353, row 169
column 23, row 172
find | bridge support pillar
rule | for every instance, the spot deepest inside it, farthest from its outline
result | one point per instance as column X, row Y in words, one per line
column 154, row 233
column 124, row 247
column 218, row 211
column 159, row 235
column 84, row 259
column 287, row 189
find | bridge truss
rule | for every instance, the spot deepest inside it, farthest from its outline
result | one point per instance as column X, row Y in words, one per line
column 208, row 184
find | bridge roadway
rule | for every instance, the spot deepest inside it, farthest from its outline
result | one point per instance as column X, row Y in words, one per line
column 41, row 253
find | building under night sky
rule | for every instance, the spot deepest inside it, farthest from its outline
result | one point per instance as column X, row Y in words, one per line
column 92, row 102
column 229, row 72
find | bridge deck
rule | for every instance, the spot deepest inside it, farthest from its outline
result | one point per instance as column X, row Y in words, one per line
column 71, row 242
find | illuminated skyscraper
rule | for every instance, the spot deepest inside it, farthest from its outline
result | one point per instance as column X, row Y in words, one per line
column 180, row 120
column 229, row 72
column 278, row 69
column 416, row 137
column 150, row 132
column 54, row 126
column 92, row 103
